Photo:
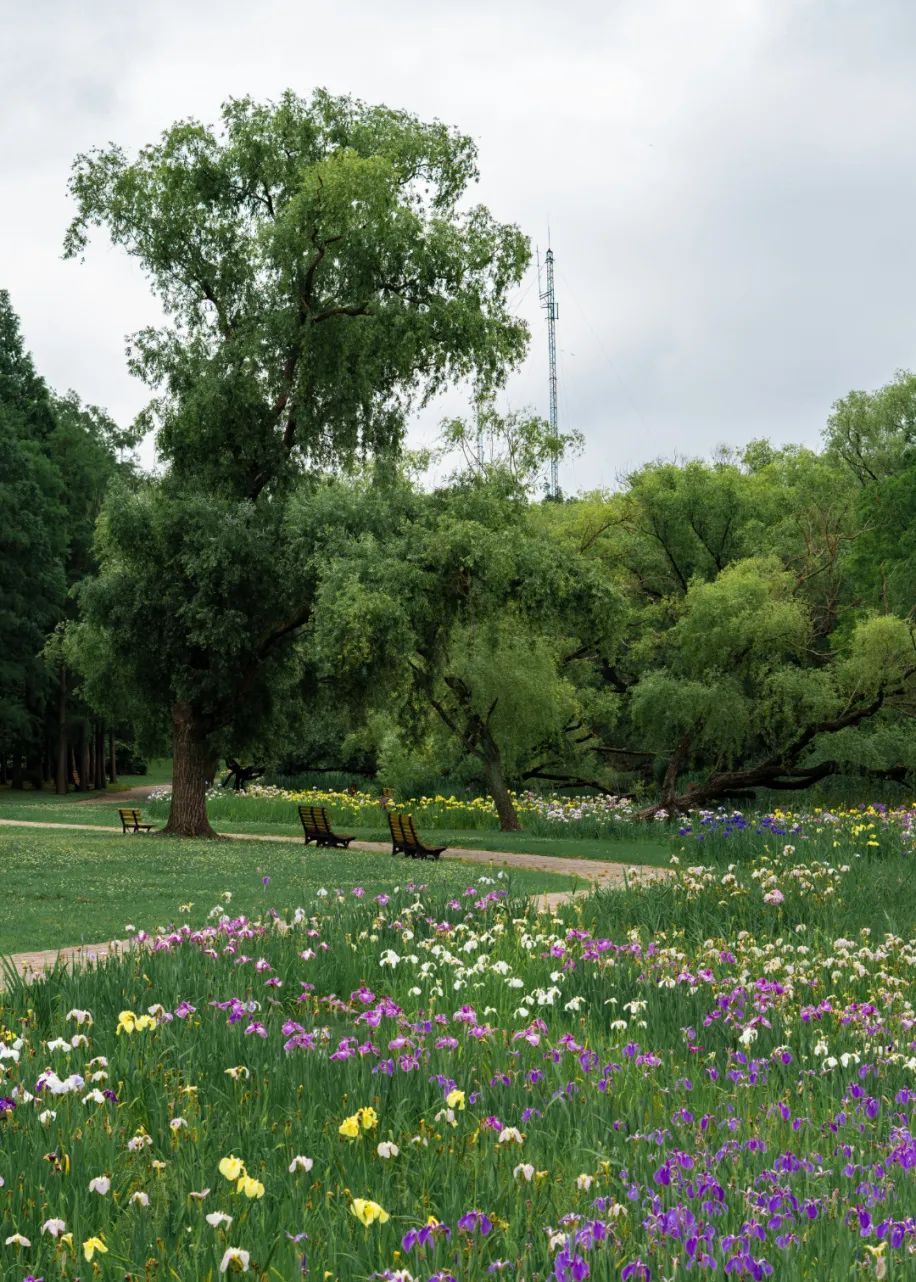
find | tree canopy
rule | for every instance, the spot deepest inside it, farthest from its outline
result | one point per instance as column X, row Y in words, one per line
column 322, row 276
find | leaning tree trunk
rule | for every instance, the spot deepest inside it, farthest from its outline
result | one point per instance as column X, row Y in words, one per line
column 496, row 786
column 192, row 769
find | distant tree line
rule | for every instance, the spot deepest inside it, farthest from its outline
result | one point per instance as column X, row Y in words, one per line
column 57, row 459
column 292, row 591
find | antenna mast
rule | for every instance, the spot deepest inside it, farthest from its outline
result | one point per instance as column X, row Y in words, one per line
column 549, row 303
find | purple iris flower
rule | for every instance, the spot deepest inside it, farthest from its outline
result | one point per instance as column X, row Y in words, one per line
column 636, row 1271
column 420, row 1237
column 476, row 1220
column 570, row 1268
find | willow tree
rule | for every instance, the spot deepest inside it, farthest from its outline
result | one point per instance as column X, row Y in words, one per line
column 322, row 275
column 737, row 696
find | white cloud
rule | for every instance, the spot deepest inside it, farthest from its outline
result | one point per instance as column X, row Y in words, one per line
column 728, row 184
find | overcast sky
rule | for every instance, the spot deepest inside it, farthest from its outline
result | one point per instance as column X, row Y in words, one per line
column 729, row 185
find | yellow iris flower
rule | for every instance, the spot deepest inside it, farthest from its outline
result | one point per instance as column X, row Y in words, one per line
column 349, row 1128
column 367, row 1211
column 248, row 1186
column 94, row 1246
column 129, row 1022
column 232, row 1168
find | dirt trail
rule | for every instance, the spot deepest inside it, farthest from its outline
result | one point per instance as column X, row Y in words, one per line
column 140, row 793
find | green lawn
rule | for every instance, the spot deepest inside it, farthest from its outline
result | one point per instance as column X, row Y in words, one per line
column 45, row 808
column 65, row 888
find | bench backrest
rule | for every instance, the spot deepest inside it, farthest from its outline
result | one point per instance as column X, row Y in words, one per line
column 399, row 830
column 402, row 830
column 315, row 818
column 130, row 816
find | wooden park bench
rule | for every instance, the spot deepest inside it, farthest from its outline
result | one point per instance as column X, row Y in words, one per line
column 317, row 828
column 404, row 839
column 130, row 821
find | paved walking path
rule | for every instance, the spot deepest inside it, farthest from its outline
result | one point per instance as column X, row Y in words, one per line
column 596, row 872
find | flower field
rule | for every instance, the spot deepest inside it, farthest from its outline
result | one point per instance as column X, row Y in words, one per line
column 712, row 1076
column 728, row 832
column 868, row 827
column 590, row 816
column 266, row 804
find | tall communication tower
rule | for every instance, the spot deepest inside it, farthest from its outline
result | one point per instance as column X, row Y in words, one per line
column 549, row 303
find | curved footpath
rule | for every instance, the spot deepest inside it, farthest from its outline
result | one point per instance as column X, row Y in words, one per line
column 598, row 873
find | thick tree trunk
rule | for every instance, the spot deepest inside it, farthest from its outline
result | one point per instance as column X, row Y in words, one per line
column 85, row 761
column 112, row 758
column 99, row 778
column 60, row 773
column 496, row 786
column 192, row 770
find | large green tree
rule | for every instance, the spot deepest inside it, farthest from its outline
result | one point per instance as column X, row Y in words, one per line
column 737, row 695
column 468, row 615
column 323, row 275
column 744, row 660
